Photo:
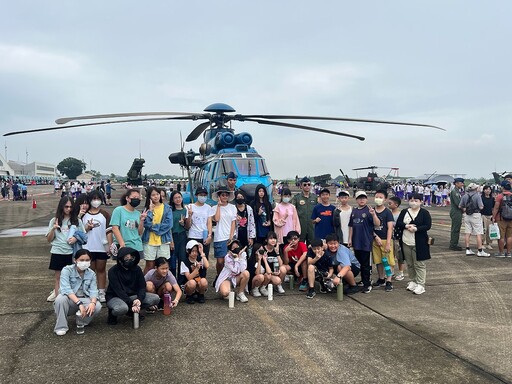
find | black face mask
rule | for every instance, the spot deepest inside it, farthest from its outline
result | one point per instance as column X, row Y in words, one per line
column 128, row 263
column 240, row 201
column 134, row 202
column 235, row 250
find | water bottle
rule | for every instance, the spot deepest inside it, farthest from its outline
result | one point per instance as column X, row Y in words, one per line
column 275, row 265
column 167, row 303
column 387, row 267
column 231, row 300
column 135, row 320
column 270, row 289
column 80, row 325
column 263, row 217
column 292, row 281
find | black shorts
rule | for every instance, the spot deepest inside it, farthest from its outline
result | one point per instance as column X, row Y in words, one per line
column 58, row 262
column 355, row 270
column 99, row 256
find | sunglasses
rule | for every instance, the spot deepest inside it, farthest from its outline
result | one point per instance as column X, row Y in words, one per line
column 68, row 206
column 306, row 184
column 294, row 239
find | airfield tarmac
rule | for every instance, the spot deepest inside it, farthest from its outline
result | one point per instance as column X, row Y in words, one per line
column 459, row 331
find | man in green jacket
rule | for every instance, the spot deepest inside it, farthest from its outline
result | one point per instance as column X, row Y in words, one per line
column 456, row 214
column 304, row 202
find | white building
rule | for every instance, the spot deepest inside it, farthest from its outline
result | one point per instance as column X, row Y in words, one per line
column 33, row 169
column 5, row 169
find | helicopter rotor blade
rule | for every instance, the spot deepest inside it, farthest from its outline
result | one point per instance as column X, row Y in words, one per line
column 363, row 168
column 192, row 117
column 305, row 127
column 197, row 131
column 338, row 119
column 65, row 120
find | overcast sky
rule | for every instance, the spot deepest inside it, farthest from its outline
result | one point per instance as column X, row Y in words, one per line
column 445, row 63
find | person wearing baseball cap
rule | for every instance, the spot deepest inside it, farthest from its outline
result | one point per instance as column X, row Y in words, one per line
column 193, row 272
column 472, row 205
column 456, row 213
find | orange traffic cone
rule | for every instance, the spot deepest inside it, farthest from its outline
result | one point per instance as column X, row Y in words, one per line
column 34, row 203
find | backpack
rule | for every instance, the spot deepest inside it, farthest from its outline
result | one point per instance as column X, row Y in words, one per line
column 506, row 207
column 471, row 205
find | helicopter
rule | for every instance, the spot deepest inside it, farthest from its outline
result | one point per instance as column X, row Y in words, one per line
column 372, row 182
column 222, row 151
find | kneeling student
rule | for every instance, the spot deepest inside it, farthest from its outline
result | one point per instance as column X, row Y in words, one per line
column 319, row 267
column 234, row 272
column 193, row 272
column 126, row 292
column 160, row 280
column 346, row 264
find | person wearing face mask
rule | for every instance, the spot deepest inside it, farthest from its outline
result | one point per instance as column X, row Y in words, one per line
column 128, row 223
column 96, row 221
column 414, row 222
column 199, row 220
column 286, row 218
column 234, row 272
column 126, row 292
column 77, row 292
column 456, row 213
column 245, row 227
column 382, row 245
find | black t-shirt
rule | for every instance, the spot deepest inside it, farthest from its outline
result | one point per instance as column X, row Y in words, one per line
column 324, row 263
column 243, row 226
column 488, row 205
column 272, row 260
column 385, row 217
column 182, row 278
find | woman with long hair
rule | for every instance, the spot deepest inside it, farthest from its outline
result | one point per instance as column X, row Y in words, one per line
column 179, row 231
column 262, row 209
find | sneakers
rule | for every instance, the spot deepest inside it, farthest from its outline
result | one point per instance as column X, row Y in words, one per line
column 399, row 276
column 61, row 332
column 455, row 248
column 101, row 297
column 287, row 279
column 489, row 246
column 352, row 290
column 280, row 289
column 311, row 293
column 303, row 285
column 482, row 253
column 499, row 254
column 263, row 291
column 419, row 289
column 389, row 286
column 111, row 320
column 256, row 292
column 508, row 254
column 379, row 283
column 52, row 296
column 367, row 289
column 241, row 297
column 323, row 288
column 200, row 298
column 411, row 286
column 469, row 252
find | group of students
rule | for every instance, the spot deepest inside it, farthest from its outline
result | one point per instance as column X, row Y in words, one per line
column 254, row 245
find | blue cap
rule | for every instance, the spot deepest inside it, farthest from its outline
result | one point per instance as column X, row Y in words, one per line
column 305, row 180
column 458, row 180
column 504, row 183
column 231, row 175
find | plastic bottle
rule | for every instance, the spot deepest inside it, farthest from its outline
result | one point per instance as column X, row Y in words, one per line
column 292, row 281
column 80, row 325
column 231, row 301
column 263, row 217
column 270, row 289
column 387, row 267
column 275, row 265
column 135, row 320
column 167, row 303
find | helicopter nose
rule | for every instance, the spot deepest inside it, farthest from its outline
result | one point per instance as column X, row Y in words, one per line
column 249, row 190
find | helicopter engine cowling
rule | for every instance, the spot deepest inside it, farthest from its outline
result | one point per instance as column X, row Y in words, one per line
column 243, row 138
column 224, row 140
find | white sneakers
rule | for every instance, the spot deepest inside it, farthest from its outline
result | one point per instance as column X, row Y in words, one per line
column 256, row 292
column 101, row 297
column 242, row 298
column 469, row 252
column 482, row 253
column 411, row 286
column 52, row 297
column 280, row 289
column 61, row 332
column 264, row 291
column 419, row 289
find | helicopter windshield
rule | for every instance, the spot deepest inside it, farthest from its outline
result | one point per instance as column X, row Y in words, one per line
column 244, row 167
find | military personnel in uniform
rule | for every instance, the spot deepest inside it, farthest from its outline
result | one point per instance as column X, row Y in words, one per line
column 456, row 214
column 304, row 202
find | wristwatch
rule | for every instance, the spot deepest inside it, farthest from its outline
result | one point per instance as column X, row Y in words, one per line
column 79, row 302
column 339, row 277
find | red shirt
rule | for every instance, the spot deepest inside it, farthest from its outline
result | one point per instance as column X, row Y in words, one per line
column 295, row 254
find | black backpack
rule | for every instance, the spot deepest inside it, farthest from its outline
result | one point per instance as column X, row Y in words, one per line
column 471, row 205
column 506, row 207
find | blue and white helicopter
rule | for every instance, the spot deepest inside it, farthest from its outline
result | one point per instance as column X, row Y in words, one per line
column 222, row 151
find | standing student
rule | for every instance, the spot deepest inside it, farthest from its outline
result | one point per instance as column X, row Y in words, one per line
column 245, row 227
column 362, row 222
column 62, row 240
column 96, row 222
column 322, row 215
column 179, row 230
column 77, row 292
column 199, row 220
column 285, row 217
column 488, row 201
column 394, row 204
column 128, row 223
column 225, row 217
column 262, row 209
column 414, row 222
column 341, row 217
column 157, row 236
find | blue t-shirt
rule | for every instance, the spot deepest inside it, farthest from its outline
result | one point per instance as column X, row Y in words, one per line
column 325, row 226
column 344, row 257
column 128, row 223
column 385, row 217
column 362, row 229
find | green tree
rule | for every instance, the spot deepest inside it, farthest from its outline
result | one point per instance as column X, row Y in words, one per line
column 71, row 167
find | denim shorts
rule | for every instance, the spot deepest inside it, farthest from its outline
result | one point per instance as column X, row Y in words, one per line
column 220, row 249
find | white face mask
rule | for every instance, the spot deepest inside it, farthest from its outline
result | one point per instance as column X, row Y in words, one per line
column 286, row 199
column 379, row 201
column 95, row 203
column 414, row 204
column 83, row 265
column 202, row 199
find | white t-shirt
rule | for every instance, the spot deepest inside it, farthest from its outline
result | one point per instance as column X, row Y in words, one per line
column 223, row 228
column 97, row 237
column 344, row 219
column 199, row 220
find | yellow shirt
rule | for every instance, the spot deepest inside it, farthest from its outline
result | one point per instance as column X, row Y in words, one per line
column 158, row 213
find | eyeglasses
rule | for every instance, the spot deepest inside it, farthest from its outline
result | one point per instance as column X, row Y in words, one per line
column 68, row 206
column 294, row 239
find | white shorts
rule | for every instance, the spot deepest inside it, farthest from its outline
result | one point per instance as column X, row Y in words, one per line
column 151, row 252
column 473, row 224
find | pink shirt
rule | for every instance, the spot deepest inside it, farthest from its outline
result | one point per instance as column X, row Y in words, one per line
column 286, row 219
